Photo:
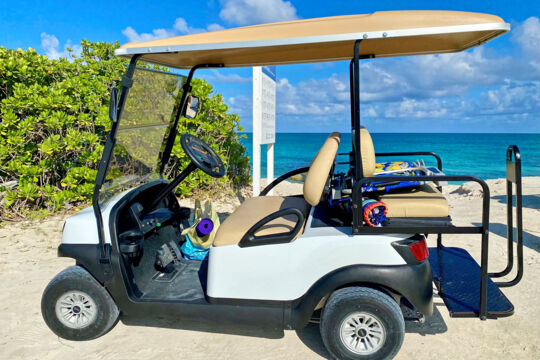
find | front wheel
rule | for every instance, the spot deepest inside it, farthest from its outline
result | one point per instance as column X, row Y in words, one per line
column 77, row 307
column 362, row 323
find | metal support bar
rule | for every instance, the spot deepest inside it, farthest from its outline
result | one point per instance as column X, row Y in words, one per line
column 483, row 229
column 171, row 186
column 513, row 175
column 417, row 229
column 358, row 172
column 509, row 233
column 173, row 130
column 282, row 178
column 351, row 90
column 415, row 153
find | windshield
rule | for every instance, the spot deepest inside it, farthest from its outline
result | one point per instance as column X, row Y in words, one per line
column 151, row 106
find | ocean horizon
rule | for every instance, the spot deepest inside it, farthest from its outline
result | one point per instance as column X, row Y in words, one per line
column 478, row 154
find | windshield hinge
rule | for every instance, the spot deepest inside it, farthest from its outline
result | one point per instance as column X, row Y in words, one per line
column 105, row 254
column 127, row 82
column 105, row 261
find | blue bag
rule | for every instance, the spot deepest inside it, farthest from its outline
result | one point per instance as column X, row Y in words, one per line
column 192, row 251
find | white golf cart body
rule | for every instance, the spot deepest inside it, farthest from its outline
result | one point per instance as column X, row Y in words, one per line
column 290, row 270
column 81, row 228
column 280, row 279
column 281, row 272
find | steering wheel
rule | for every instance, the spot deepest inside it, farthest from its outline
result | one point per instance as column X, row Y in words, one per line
column 202, row 155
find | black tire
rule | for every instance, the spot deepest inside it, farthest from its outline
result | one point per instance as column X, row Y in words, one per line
column 76, row 279
column 347, row 302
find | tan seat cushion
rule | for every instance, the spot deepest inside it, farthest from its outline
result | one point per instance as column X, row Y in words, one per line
column 255, row 209
column 367, row 151
column 320, row 169
column 421, row 201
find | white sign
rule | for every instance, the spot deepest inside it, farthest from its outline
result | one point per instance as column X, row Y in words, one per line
column 268, row 105
column 264, row 121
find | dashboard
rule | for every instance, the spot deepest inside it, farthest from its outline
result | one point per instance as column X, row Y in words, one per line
column 135, row 222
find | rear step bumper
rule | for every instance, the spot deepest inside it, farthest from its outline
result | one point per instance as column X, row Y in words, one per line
column 457, row 277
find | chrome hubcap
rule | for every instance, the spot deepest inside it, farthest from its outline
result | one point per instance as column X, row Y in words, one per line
column 362, row 333
column 75, row 309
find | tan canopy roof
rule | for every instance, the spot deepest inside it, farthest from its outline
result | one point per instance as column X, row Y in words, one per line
column 388, row 33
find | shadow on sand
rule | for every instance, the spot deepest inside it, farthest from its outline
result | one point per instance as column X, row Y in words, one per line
column 528, row 201
column 213, row 327
column 529, row 240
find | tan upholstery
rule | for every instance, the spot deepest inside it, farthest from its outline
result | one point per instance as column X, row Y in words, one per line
column 422, row 201
column 389, row 33
column 367, row 151
column 255, row 209
column 320, row 169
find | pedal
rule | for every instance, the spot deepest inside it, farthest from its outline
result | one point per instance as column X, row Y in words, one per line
column 165, row 276
column 166, row 254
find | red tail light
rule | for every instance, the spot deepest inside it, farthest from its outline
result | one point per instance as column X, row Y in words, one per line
column 419, row 250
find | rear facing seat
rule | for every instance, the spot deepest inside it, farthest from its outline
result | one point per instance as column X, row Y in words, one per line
column 421, row 201
column 424, row 201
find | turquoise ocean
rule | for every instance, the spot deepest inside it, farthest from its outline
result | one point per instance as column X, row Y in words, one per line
column 481, row 155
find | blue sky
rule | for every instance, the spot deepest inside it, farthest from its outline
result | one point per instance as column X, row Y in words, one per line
column 494, row 88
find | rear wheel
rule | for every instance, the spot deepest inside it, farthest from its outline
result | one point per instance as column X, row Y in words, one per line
column 76, row 307
column 362, row 323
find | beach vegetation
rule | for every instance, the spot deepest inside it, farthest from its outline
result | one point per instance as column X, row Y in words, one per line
column 54, row 119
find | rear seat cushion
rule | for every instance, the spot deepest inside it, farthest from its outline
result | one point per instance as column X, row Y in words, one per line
column 367, row 151
column 421, row 201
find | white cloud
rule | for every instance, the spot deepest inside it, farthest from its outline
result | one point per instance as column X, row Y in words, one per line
column 214, row 27
column 233, row 78
column 511, row 98
column 312, row 97
column 431, row 76
column 133, row 36
column 241, row 105
column 51, row 45
column 528, row 36
column 180, row 27
column 249, row 12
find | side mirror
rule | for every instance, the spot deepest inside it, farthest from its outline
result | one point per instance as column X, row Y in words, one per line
column 192, row 108
column 113, row 105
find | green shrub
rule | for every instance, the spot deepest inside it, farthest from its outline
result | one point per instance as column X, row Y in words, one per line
column 54, row 121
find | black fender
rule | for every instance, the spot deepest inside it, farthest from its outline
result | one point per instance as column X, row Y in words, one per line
column 87, row 256
column 413, row 282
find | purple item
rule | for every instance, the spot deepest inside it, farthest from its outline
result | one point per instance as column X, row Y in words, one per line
column 204, row 227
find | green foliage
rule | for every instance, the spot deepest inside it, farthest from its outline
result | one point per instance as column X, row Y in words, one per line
column 54, row 121
column 217, row 127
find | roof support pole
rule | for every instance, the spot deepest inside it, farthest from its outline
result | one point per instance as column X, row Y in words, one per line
column 351, row 90
column 173, row 130
column 354, row 78
column 356, row 112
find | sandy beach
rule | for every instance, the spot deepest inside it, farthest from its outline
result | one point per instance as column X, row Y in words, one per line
column 28, row 262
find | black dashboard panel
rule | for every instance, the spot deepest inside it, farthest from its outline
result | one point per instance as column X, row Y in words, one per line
column 135, row 222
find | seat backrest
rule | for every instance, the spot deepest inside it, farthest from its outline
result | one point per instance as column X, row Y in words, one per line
column 320, row 169
column 367, row 151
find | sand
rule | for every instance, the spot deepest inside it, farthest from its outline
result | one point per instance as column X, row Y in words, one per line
column 28, row 262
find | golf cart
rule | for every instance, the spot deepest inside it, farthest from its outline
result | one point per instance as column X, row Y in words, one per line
column 277, row 261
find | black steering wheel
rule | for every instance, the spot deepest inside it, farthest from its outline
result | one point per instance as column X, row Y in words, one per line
column 202, row 155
